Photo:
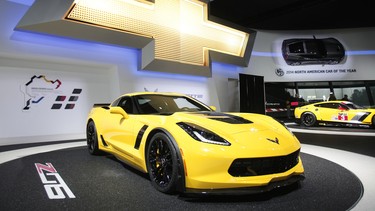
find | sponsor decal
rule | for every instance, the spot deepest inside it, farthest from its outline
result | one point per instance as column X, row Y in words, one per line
column 360, row 116
column 342, row 117
column 53, row 183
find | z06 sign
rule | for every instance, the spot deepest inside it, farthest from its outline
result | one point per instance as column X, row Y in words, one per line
column 54, row 185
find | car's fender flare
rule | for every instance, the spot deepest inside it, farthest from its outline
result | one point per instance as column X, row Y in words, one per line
column 181, row 187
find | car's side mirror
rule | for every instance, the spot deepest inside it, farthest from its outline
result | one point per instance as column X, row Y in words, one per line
column 118, row 110
column 213, row 108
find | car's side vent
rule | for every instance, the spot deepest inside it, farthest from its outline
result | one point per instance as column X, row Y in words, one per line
column 139, row 136
column 103, row 141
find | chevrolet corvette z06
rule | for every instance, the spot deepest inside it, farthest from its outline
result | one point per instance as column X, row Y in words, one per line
column 186, row 146
column 312, row 51
column 343, row 113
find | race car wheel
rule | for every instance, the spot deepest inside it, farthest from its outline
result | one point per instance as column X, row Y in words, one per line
column 162, row 163
column 308, row 119
column 92, row 139
column 373, row 121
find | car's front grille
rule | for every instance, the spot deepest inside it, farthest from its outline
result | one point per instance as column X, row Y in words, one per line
column 245, row 167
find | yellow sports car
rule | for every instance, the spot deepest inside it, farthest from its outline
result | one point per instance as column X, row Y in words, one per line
column 187, row 147
column 335, row 113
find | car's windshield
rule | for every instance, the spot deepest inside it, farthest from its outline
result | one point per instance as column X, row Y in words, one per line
column 353, row 106
column 315, row 47
column 151, row 104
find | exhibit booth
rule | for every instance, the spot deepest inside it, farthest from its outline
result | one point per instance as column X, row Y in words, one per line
column 56, row 62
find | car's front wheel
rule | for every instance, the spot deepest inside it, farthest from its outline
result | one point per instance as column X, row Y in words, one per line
column 162, row 163
column 308, row 119
column 92, row 139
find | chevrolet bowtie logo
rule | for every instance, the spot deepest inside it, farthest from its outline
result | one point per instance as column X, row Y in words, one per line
column 174, row 35
column 276, row 140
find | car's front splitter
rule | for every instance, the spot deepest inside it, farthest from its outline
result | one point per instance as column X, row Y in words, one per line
column 189, row 192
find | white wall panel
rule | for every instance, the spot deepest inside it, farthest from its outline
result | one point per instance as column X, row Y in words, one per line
column 38, row 120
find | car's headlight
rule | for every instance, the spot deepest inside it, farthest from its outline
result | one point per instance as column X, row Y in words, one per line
column 201, row 134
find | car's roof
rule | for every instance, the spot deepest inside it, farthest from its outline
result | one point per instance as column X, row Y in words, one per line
column 154, row 93
column 332, row 101
column 309, row 39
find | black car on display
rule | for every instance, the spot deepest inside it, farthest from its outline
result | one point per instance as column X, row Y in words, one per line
column 312, row 51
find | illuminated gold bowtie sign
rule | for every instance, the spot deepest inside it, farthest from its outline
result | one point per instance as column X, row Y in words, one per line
column 174, row 35
column 180, row 27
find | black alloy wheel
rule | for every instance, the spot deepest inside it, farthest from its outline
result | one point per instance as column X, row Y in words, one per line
column 162, row 166
column 92, row 139
column 308, row 119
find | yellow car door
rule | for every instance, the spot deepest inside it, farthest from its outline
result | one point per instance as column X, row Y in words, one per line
column 121, row 127
column 118, row 130
column 332, row 112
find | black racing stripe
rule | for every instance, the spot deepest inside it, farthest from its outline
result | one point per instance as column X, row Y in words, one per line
column 139, row 136
column 364, row 116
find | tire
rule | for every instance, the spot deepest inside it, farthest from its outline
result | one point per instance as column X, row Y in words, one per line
column 308, row 119
column 162, row 163
column 92, row 139
column 373, row 121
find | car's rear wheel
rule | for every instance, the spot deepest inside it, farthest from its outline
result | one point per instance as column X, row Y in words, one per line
column 92, row 139
column 162, row 163
column 308, row 119
column 373, row 121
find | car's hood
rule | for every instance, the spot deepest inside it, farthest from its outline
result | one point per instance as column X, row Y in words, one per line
column 230, row 123
column 249, row 132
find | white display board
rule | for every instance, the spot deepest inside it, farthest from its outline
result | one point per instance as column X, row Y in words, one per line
column 40, row 103
column 358, row 62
